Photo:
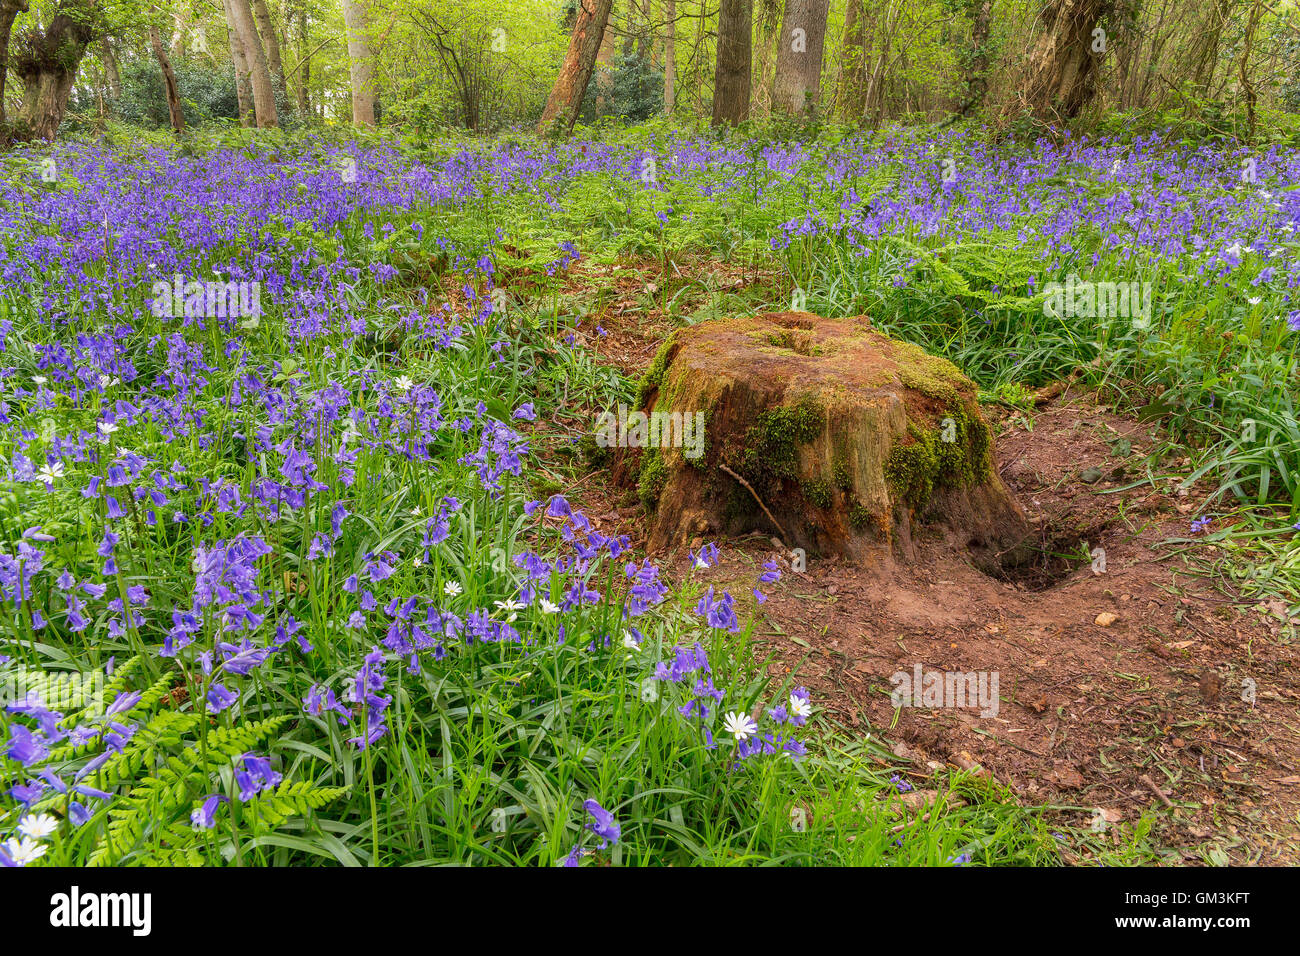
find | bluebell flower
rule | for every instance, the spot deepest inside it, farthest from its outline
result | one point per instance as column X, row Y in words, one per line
column 604, row 826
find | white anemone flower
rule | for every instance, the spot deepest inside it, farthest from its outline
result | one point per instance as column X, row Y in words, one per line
column 800, row 707
column 24, row 851
column 740, row 726
column 49, row 473
column 451, row 589
column 38, row 826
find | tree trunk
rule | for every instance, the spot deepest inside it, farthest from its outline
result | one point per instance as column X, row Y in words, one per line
column 732, row 79
column 361, row 65
column 267, row 29
column 47, row 62
column 241, row 15
column 9, row 9
column 670, row 58
column 1062, row 66
column 853, row 79
column 111, row 72
column 799, row 57
column 977, row 80
column 239, row 59
column 169, row 81
column 180, row 24
column 1207, row 53
column 304, row 69
column 1247, row 86
column 565, row 101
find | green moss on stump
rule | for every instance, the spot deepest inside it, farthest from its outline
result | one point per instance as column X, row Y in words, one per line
column 651, row 479
column 954, row 455
column 772, row 442
column 817, row 492
column 654, row 375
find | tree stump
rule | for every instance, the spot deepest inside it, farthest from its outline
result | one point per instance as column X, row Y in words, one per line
column 836, row 438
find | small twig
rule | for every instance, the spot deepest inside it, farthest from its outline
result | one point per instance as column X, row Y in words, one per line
column 750, row 489
column 1156, row 790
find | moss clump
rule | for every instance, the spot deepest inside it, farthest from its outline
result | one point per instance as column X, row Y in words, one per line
column 651, row 479
column 955, row 454
column 840, row 472
column 654, row 375
column 772, row 442
column 930, row 375
column 817, row 492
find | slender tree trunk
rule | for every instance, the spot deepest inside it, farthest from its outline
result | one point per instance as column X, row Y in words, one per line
column 241, row 14
column 853, row 79
column 47, row 63
column 799, row 56
column 266, row 28
column 565, row 101
column 180, row 24
column 360, row 64
column 1247, row 86
column 670, row 57
column 169, row 81
column 977, row 80
column 111, row 72
column 1207, row 51
column 9, row 9
column 239, row 59
column 304, row 68
column 735, row 46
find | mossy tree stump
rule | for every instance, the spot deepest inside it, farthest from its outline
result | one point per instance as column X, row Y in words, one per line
column 834, row 437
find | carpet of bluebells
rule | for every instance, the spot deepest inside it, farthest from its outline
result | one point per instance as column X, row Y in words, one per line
column 282, row 582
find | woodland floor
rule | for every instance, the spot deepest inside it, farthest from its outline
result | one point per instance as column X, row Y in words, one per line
column 1144, row 715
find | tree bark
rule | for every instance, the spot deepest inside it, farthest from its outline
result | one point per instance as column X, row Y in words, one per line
column 266, row 28
column 853, row 79
column 977, row 80
column 360, row 64
column 111, row 72
column 670, row 58
column 799, row 57
column 174, row 110
column 241, row 15
column 1062, row 66
column 304, row 69
column 9, row 9
column 239, row 59
column 47, row 62
column 565, row 101
column 731, row 84
column 180, row 24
